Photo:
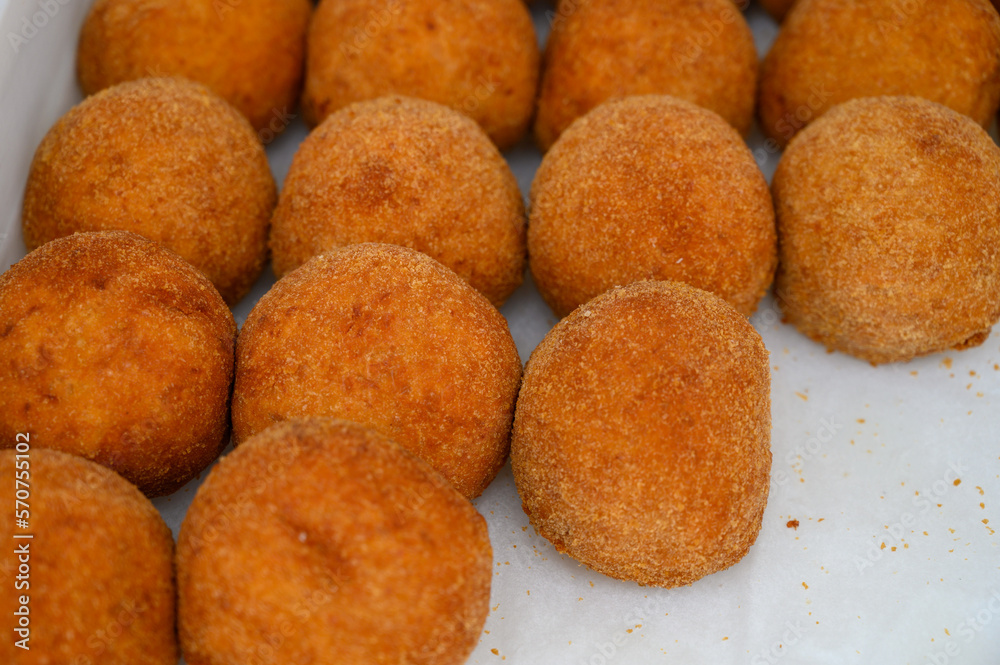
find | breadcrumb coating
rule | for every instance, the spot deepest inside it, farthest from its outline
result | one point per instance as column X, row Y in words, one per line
column 889, row 225
column 406, row 172
column 387, row 337
column 320, row 541
column 650, row 187
column 642, row 436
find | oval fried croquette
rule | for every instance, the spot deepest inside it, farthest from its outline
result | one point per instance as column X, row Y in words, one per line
column 250, row 52
column 164, row 158
column 117, row 350
column 479, row 57
column 650, row 187
column 387, row 337
column 406, row 172
column 698, row 50
column 889, row 224
column 322, row 541
column 830, row 51
column 641, row 440
column 97, row 570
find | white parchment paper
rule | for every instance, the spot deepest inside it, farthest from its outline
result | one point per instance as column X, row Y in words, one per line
column 892, row 473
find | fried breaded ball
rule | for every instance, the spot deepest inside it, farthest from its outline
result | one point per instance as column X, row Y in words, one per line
column 164, row 158
column 322, row 541
column 479, row 57
column 650, row 187
column 94, row 583
column 407, row 172
column 889, row 224
column 250, row 52
column 830, row 51
column 387, row 337
column 116, row 349
column 641, row 440
column 699, row 50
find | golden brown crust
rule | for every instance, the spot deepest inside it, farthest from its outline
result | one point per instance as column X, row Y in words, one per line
column 407, row 172
column 479, row 57
column 101, row 567
column 641, row 441
column 117, row 350
column 388, row 337
column 830, row 51
column 250, row 52
column 889, row 229
column 650, row 187
column 164, row 158
column 319, row 537
column 699, row 50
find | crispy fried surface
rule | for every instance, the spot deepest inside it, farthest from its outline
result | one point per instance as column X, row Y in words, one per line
column 699, row 50
column 117, row 350
column 641, row 441
column 407, row 172
column 250, row 52
column 390, row 338
column 650, row 187
column 830, row 51
column 101, row 567
column 889, row 226
column 164, row 158
column 320, row 540
column 479, row 57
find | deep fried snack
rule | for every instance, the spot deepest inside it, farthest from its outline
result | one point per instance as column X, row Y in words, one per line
column 407, row 172
column 250, row 52
column 97, row 571
column 650, row 187
column 641, row 440
column 117, row 350
column 831, row 51
column 387, row 337
column 164, row 158
column 479, row 57
column 699, row 50
column 889, row 229
column 323, row 537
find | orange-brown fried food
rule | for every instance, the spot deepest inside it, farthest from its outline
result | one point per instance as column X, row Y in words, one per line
column 650, row 187
column 698, row 50
column 830, row 51
column 97, row 574
column 387, row 337
column 117, row 350
column 641, row 441
column 407, row 172
column 479, row 57
column 250, row 52
column 889, row 224
column 164, row 158
column 322, row 541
